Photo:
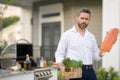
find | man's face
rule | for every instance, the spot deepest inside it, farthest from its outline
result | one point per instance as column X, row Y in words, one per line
column 83, row 20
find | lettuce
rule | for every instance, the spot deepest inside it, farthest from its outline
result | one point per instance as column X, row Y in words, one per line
column 72, row 63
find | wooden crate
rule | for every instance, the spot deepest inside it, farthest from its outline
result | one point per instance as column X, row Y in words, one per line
column 74, row 73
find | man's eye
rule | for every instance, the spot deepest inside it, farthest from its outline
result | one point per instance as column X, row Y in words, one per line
column 86, row 18
column 82, row 18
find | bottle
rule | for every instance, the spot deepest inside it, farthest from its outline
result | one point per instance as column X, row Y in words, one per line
column 27, row 63
column 41, row 62
column 44, row 63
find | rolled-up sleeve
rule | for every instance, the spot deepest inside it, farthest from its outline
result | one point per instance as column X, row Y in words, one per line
column 96, row 51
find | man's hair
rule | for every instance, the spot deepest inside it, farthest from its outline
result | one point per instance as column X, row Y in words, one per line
column 85, row 10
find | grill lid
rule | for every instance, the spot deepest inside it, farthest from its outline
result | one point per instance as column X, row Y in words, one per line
column 9, row 51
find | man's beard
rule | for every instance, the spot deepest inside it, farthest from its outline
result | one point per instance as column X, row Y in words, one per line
column 82, row 26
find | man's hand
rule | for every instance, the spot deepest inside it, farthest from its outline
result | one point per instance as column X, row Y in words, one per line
column 62, row 68
column 101, row 53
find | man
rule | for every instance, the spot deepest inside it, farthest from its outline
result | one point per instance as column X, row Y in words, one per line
column 79, row 44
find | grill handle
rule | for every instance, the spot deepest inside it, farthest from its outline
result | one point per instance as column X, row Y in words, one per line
column 22, row 40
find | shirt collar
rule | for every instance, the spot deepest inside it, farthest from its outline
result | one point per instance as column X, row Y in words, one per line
column 73, row 29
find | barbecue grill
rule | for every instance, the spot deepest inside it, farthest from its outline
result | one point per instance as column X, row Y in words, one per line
column 15, row 52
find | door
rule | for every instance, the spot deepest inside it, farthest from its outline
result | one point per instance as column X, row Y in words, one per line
column 50, row 37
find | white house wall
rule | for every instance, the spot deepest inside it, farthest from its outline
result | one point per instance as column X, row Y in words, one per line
column 12, row 33
column 26, row 24
column 111, row 18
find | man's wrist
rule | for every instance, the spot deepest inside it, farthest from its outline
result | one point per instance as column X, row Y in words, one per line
column 60, row 64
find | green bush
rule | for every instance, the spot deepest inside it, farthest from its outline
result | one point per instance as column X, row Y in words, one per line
column 60, row 77
column 10, row 20
column 111, row 74
column 9, row 1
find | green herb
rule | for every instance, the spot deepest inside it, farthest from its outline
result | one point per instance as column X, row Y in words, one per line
column 80, row 63
column 75, row 64
column 68, row 63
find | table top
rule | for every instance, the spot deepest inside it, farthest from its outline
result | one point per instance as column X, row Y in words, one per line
column 6, row 73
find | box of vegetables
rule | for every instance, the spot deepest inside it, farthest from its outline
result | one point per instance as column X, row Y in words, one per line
column 73, row 68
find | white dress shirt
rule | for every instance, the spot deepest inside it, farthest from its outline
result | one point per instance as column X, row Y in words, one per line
column 73, row 45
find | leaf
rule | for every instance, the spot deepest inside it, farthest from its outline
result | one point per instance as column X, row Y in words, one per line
column 9, row 1
column 80, row 63
column 111, row 74
column 67, row 62
column 72, row 63
column 10, row 20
